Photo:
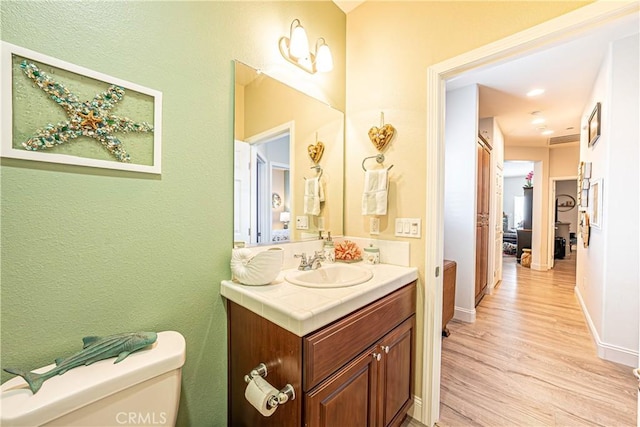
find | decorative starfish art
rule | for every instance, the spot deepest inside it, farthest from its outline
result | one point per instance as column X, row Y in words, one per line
column 89, row 118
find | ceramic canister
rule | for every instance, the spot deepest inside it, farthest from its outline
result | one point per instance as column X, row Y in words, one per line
column 372, row 255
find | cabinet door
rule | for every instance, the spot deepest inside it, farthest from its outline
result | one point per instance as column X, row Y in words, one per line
column 396, row 374
column 347, row 398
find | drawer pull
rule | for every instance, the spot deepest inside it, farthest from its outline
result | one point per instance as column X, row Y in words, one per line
column 377, row 356
column 385, row 348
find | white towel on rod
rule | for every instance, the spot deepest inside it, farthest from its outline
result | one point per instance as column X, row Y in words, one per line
column 374, row 197
column 313, row 195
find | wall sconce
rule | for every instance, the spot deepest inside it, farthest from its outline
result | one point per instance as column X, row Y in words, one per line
column 285, row 217
column 295, row 49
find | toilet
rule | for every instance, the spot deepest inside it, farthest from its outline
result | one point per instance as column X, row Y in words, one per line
column 141, row 390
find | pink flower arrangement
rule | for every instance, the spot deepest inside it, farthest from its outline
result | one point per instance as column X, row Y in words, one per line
column 529, row 178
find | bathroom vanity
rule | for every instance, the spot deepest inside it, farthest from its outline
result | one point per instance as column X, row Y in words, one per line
column 347, row 352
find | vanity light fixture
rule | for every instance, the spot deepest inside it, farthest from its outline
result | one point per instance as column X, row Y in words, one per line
column 295, row 49
column 285, row 218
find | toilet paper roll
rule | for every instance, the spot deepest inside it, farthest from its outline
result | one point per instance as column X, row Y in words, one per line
column 258, row 392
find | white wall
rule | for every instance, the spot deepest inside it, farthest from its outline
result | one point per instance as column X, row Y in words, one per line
column 460, row 194
column 607, row 272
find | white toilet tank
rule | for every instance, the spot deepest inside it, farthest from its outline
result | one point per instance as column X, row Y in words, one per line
column 141, row 390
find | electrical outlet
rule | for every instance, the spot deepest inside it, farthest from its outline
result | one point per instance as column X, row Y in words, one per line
column 302, row 222
column 374, row 225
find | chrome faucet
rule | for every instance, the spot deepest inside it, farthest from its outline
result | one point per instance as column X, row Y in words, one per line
column 311, row 263
column 314, row 262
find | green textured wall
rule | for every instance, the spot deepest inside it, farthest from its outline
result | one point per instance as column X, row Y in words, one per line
column 88, row 251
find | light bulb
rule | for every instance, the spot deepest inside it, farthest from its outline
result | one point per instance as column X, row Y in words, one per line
column 299, row 44
column 324, row 61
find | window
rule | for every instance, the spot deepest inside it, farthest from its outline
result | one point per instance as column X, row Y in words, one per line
column 518, row 211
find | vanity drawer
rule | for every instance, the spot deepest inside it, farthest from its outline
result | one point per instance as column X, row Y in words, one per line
column 332, row 347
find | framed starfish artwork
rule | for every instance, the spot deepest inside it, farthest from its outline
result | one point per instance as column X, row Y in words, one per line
column 58, row 112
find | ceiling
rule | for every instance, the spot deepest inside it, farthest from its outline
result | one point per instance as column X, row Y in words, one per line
column 567, row 72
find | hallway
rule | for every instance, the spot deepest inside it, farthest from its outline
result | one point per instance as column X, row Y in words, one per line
column 529, row 359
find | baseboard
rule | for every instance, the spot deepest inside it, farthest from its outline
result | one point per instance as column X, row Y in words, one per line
column 610, row 352
column 415, row 411
column 464, row 314
column 540, row 267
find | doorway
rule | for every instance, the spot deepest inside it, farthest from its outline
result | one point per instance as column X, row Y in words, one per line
column 568, row 27
column 262, row 188
column 563, row 219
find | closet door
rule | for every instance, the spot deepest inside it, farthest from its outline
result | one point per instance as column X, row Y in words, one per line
column 483, row 185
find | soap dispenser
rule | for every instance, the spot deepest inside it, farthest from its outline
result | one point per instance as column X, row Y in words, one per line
column 372, row 255
column 329, row 249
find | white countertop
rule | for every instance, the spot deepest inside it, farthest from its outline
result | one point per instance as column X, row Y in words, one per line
column 303, row 310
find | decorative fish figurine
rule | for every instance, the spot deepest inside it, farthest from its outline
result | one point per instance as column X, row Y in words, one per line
column 94, row 349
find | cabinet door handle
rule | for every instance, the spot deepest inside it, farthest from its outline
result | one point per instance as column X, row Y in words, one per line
column 385, row 348
column 377, row 356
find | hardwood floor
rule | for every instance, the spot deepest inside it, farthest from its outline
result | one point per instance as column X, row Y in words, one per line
column 529, row 360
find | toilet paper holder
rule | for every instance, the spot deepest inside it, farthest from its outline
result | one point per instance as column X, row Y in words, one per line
column 285, row 394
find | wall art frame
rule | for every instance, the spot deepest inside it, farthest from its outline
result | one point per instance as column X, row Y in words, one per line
column 595, row 195
column 594, row 125
column 85, row 131
column 584, row 227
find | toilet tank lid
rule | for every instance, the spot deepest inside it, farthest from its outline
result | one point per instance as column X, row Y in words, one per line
column 84, row 385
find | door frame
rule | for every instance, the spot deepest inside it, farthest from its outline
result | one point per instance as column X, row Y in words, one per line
column 560, row 29
column 259, row 139
column 552, row 224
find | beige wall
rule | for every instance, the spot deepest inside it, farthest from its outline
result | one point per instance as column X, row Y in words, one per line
column 563, row 161
column 390, row 45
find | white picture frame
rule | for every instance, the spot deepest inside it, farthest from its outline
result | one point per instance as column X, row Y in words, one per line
column 595, row 210
column 9, row 79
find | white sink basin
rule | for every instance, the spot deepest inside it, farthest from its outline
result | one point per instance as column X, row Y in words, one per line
column 330, row 276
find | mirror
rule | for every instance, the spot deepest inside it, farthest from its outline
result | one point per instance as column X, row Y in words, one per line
column 276, row 199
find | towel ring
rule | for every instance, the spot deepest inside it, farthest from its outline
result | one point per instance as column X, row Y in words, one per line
column 318, row 169
column 379, row 158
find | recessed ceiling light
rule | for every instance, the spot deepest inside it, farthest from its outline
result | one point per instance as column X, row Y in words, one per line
column 547, row 132
column 535, row 92
column 537, row 121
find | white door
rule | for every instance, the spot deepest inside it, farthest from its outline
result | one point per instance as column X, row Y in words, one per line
column 497, row 268
column 242, row 192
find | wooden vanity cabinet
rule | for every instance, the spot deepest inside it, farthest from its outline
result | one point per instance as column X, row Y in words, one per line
column 375, row 389
column 356, row 371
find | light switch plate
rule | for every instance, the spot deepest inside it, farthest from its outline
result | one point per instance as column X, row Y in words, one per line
column 399, row 226
column 409, row 227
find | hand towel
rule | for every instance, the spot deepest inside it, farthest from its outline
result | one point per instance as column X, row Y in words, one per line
column 312, row 194
column 374, row 197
